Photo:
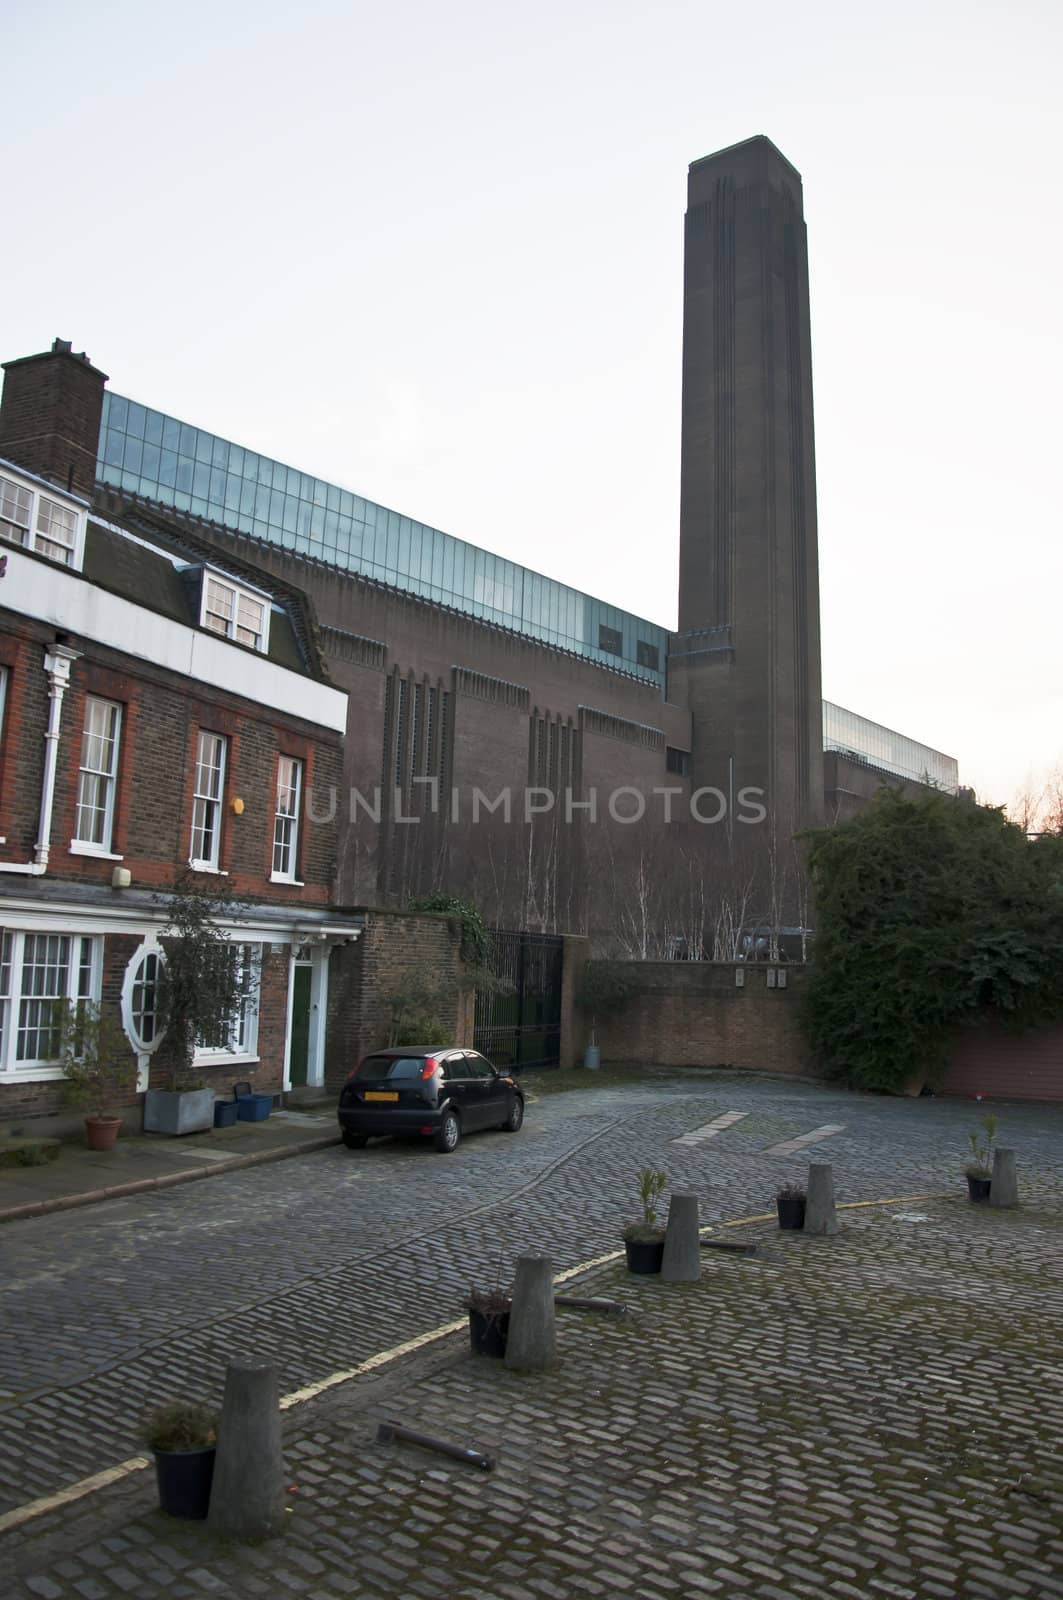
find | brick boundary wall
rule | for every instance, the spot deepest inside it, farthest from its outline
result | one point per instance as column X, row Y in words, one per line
column 694, row 1014
column 1007, row 1066
column 361, row 975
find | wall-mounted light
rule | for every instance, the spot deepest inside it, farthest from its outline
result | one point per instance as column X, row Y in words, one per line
column 236, row 806
column 121, row 878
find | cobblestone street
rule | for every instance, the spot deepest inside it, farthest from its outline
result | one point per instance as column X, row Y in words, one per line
column 877, row 1414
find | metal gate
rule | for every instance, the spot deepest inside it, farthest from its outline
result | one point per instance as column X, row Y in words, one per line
column 521, row 1026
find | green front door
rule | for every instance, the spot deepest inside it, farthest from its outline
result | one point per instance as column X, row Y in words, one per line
column 299, row 1054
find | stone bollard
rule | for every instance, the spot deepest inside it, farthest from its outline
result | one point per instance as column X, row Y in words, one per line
column 1004, row 1189
column 682, row 1243
column 820, row 1215
column 247, row 1499
column 531, row 1345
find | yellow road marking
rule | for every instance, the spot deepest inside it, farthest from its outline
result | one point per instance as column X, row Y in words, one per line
column 100, row 1480
column 73, row 1491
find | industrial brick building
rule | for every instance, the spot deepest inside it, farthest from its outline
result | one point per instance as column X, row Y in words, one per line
column 567, row 764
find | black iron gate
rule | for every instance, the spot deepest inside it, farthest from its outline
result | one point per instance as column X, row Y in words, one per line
column 520, row 1026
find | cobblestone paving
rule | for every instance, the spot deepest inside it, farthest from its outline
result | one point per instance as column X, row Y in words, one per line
column 321, row 1262
column 875, row 1416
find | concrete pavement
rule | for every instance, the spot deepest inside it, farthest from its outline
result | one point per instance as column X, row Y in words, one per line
column 79, row 1176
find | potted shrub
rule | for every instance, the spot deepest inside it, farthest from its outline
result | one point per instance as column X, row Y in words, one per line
column 644, row 1240
column 489, row 1315
column 489, row 1311
column 979, row 1169
column 605, row 987
column 98, row 1067
column 183, row 1436
column 790, row 1204
column 202, row 985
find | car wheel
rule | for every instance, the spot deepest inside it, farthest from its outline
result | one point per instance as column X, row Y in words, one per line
column 355, row 1141
column 448, row 1133
column 515, row 1120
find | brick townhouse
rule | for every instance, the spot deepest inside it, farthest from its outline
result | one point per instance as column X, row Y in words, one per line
column 161, row 706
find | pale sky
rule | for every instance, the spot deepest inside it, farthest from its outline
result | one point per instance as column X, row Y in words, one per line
column 434, row 253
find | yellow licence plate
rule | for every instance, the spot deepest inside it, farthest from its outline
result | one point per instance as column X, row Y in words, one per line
column 374, row 1094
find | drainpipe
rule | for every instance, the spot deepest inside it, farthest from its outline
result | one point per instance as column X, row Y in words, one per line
column 57, row 663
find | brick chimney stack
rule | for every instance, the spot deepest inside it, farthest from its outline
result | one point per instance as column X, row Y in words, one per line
column 50, row 416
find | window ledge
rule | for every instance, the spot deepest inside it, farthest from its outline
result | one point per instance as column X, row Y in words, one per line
column 282, row 877
column 31, row 1074
column 205, row 866
column 79, row 848
column 224, row 1058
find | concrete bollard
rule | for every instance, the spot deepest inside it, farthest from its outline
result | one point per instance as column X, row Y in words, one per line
column 532, row 1342
column 820, row 1215
column 1004, row 1189
column 682, row 1243
column 247, row 1499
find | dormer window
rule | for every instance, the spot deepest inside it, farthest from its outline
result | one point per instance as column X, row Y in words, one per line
column 36, row 521
column 235, row 613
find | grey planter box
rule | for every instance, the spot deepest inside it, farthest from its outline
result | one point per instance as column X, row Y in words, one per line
column 183, row 1111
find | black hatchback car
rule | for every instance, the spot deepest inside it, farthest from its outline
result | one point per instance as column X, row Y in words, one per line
column 437, row 1093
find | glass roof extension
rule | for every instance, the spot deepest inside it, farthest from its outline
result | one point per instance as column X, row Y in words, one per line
column 178, row 465
column 882, row 747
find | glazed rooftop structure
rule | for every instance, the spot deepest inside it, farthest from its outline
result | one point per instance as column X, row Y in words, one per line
column 145, row 452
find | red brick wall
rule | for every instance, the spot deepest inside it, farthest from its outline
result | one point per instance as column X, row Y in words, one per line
column 161, row 718
column 361, row 975
column 1006, row 1066
column 691, row 1014
column 29, row 1100
column 50, row 418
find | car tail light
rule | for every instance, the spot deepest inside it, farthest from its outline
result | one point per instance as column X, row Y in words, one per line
column 354, row 1071
column 430, row 1068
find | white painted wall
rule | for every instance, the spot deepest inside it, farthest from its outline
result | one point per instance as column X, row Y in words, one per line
column 70, row 602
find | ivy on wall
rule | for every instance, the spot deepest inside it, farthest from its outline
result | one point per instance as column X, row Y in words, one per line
column 930, row 913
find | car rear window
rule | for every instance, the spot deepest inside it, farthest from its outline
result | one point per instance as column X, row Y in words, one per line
column 378, row 1067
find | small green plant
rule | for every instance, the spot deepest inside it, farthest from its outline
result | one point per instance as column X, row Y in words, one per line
column 981, row 1142
column 790, row 1191
column 651, row 1186
column 30, row 1155
column 475, row 938
column 603, row 989
column 180, row 1425
column 96, row 1057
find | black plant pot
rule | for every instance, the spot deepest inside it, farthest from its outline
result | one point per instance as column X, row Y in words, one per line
column 978, row 1189
column 791, row 1210
column 185, row 1477
column 488, row 1332
column 644, row 1256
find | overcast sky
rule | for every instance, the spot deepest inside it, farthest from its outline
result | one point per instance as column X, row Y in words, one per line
column 434, row 253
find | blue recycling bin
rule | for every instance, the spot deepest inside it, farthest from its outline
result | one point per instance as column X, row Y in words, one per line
column 254, row 1107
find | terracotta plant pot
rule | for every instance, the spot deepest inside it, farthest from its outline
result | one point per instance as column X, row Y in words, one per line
column 101, row 1133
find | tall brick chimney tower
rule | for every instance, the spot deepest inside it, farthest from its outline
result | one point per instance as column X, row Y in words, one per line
column 50, row 416
column 747, row 657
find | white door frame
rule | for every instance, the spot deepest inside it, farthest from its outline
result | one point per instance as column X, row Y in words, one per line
column 316, row 957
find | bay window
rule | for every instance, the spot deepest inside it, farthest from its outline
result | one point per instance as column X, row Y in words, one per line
column 38, row 973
